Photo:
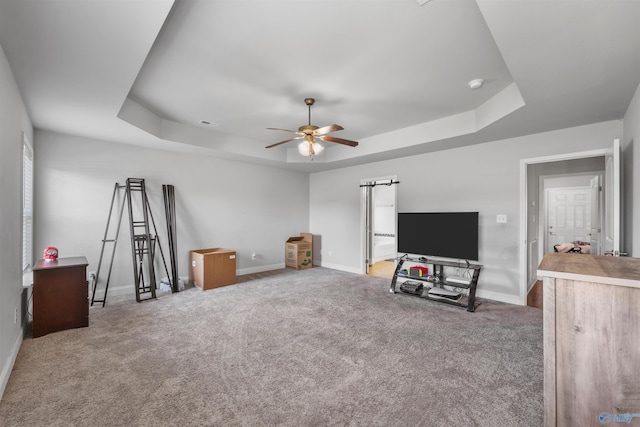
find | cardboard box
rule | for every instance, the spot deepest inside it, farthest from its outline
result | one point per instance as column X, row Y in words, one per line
column 212, row 268
column 298, row 252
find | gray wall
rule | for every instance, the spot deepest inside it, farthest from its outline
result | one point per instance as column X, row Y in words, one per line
column 484, row 178
column 219, row 203
column 13, row 122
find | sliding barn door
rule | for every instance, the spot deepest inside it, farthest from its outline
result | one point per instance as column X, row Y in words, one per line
column 379, row 216
column 367, row 209
column 596, row 227
column 612, row 216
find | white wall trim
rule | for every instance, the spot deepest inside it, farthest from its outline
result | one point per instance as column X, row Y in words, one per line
column 495, row 296
column 340, row 267
column 124, row 290
column 260, row 269
column 499, row 296
column 491, row 295
column 8, row 366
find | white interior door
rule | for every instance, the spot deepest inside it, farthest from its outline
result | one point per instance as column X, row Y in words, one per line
column 568, row 215
column 384, row 223
column 367, row 220
column 612, row 219
column 385, row 218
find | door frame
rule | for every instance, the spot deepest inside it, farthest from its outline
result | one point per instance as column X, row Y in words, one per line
column 524, row 247
column 364, row 266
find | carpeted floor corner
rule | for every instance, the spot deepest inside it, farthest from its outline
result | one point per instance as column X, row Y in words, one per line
column 316, row 347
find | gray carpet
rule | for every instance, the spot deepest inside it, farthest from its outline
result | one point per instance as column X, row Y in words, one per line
column 316, row 347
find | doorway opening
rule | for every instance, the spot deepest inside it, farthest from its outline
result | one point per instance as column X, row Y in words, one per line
column 570, row 212
column 537, row 176
column 379, row 213
column 384, row 268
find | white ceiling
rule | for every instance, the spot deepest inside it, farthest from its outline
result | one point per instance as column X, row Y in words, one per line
column 394, row 74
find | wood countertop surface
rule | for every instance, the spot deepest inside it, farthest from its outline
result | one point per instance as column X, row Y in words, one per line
column 620, row 271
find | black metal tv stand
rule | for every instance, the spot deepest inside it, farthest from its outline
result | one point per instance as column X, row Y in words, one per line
column 438, row 279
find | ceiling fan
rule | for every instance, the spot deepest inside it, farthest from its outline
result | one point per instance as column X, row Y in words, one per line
column 309, row 133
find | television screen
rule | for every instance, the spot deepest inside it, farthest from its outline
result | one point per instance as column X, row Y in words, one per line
column 439, row 234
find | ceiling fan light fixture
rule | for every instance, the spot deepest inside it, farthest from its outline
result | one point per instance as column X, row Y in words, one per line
column 317, row 148
column 304, row 148
column 307, row 149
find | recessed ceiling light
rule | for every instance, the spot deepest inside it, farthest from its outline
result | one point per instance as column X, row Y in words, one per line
column 476, row 83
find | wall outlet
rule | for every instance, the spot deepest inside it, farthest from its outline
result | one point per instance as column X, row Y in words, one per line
column 15, row 316
column 253, row 255
column 501, row 219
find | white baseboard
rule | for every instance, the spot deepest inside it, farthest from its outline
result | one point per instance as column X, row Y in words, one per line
column 259, row 269
column 480, row 293
column 8, row 365
column 340, row 267
column 499, row 296
column 392, row 256
column 115, row 291
column 122, row 290
column 129, row 290
column 494, row 296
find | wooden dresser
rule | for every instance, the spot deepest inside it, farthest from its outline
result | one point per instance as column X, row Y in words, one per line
column 591, row 339
column 60, row 295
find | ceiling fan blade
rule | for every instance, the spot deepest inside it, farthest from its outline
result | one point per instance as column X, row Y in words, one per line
column 328, row 129
column 339, row 140
column 287, row 130
column 282, row 142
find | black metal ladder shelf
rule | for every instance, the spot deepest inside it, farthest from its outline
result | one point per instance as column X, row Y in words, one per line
column 143, row 242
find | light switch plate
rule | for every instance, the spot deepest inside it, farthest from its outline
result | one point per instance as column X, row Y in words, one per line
column 501, row 219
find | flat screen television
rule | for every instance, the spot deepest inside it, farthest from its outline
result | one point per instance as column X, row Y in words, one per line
column 439, row 234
